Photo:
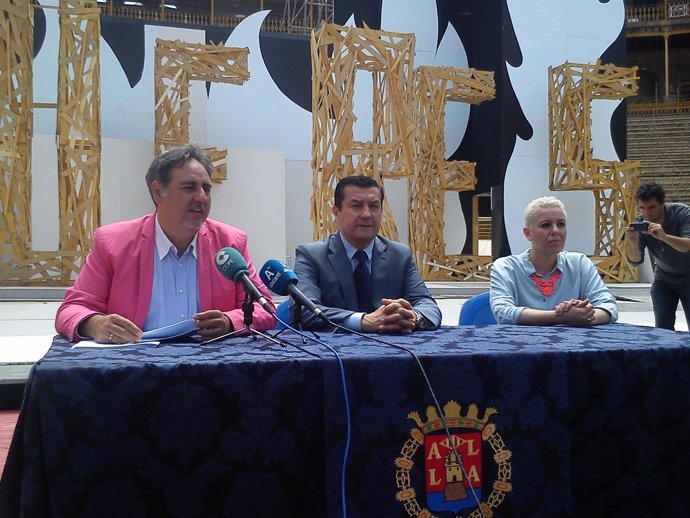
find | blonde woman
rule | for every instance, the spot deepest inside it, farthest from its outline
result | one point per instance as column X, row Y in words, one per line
column 546, row 285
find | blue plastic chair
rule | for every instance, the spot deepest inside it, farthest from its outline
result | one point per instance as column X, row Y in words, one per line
column 477, row 311
column 283, row 312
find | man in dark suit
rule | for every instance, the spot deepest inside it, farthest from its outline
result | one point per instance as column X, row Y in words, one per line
column 359, row 279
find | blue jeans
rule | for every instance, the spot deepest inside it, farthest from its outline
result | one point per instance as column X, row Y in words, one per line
column 665, row 297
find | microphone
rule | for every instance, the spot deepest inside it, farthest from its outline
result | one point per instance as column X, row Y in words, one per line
column 281, row 280
column 233, row 266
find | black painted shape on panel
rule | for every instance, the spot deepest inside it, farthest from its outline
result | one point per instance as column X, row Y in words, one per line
column 365, row 11
column 447, row 11
column 216, row 36
column 288, row 60
column 288, row 57
column 616, row 54
column 39, row 30
column 126, row 39
column 490, row 42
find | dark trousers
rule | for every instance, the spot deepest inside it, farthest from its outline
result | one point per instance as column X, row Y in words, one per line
column 665, row 297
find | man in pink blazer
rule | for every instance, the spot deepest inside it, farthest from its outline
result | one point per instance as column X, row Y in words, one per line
column 121, row 285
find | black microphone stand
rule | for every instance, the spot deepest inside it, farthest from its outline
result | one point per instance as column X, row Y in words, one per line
column 297, row 316
column 248, row 313
column 296, row 320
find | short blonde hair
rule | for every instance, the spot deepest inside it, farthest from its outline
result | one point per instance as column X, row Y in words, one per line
column 545, row 202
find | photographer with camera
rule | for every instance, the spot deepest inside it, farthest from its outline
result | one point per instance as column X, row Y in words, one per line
column 663, row 229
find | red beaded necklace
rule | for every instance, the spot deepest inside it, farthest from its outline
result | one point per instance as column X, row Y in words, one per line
column 546, row 286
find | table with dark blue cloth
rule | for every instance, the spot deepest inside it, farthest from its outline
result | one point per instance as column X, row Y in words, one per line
column 548, row 421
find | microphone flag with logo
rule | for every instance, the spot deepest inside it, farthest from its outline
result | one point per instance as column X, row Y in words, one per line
column 281, row 280
column 232, row 265
column 276, row 276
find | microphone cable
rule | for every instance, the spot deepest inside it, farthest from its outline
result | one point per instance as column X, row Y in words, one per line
column 348, row 419
column 280, row 278
column 433, row 396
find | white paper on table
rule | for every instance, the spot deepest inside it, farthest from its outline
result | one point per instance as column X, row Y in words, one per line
column 176, row 330
column 91, row 344
column 23, row 349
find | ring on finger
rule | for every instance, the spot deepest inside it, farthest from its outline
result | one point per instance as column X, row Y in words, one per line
column 110, row 338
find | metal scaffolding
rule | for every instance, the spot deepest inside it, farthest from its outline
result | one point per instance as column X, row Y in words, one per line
column 301, row 16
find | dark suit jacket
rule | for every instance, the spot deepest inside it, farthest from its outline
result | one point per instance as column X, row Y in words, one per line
column 325, row 276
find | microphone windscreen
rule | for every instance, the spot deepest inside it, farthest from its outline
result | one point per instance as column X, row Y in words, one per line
column 231, row 263
column 277, row 276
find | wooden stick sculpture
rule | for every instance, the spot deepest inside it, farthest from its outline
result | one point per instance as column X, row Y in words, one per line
column 408, row 136
column 78, row 140
column 337, row 54
column 434, row 86
column 572, row 165
column 176, row 64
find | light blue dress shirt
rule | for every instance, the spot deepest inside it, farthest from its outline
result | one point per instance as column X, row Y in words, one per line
column 354, row 321
column 175, row 293
column 512, row 290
